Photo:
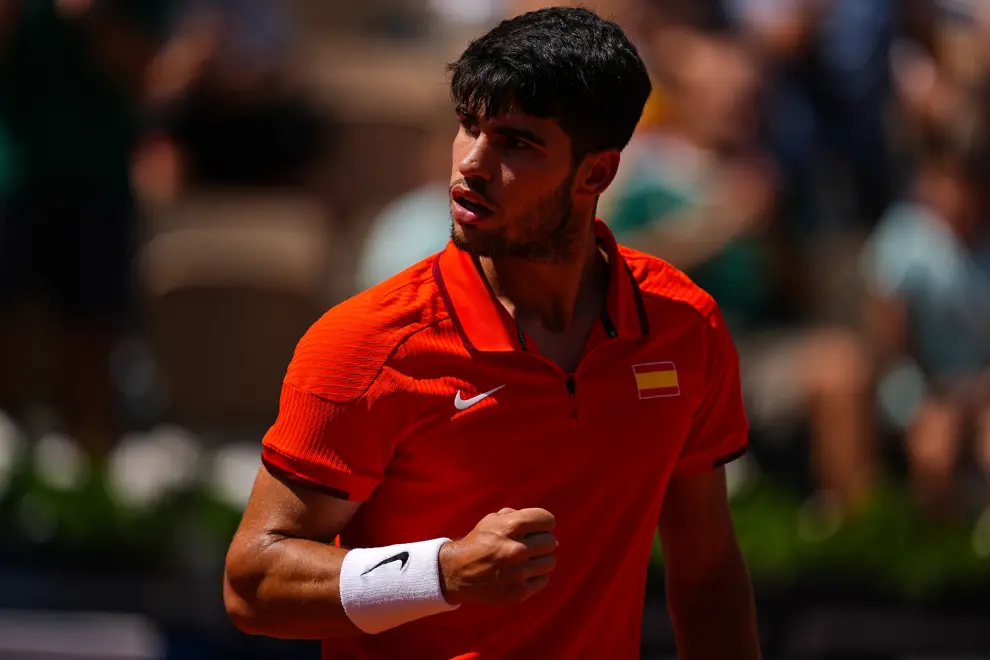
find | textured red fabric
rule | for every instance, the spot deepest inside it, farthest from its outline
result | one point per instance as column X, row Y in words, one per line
column 373, row 407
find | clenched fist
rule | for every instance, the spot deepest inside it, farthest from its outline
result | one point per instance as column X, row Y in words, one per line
column 506, row 558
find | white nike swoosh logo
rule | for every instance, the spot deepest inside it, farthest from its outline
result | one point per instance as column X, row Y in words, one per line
column 464, row 404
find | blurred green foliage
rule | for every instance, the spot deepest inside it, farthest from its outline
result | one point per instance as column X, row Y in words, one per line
column 886, row 547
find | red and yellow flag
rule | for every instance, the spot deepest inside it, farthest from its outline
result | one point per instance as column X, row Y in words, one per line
column 656, row 379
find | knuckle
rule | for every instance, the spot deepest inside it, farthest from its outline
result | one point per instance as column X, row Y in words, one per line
column 510, row 530
column 514, row 519
column 510, row 551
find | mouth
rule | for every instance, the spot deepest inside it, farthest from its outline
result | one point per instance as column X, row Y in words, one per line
column 469, row 207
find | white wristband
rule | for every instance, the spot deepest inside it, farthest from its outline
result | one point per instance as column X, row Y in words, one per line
column 381, row 588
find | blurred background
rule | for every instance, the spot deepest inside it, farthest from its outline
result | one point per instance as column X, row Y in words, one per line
column 185, row 185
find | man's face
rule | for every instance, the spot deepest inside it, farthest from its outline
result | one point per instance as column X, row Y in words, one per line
column 511, row 187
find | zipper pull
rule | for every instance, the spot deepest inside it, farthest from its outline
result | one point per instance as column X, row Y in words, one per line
column 609, row 326
column 571, row 385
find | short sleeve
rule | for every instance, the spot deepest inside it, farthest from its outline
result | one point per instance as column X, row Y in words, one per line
column 338, row 447
column 884, row 268
column 905, row 251
column 719, row 430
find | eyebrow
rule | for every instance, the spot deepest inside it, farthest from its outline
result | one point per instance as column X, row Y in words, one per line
column 506, row 131
column 528, row 136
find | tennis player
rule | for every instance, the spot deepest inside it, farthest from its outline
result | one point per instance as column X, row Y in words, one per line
column 496, row 433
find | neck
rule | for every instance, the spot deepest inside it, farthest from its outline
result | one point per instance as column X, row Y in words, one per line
column 552, row 293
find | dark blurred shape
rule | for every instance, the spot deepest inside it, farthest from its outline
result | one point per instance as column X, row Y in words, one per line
column 859, row 632
column 270, row 142
column 221, row 94
column 70, row 92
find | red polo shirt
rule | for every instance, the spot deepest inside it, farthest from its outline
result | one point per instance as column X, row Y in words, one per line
column 422, row 399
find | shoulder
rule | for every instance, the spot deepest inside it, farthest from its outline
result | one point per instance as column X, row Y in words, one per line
column 905, row 222
column 667, row 290
column 344, row 352
column 910, row 242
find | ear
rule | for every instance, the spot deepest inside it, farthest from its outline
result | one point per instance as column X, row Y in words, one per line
column 597, row 172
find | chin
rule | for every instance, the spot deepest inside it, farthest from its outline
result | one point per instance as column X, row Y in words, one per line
column 464, row 242
column 474, row 242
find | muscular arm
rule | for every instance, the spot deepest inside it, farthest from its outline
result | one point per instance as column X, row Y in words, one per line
column 740, row 204
column 688, row 238
column 282, row 570
column 282, row 574
column 708, row 589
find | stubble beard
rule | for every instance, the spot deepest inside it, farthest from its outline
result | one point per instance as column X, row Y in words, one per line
column 550, row 236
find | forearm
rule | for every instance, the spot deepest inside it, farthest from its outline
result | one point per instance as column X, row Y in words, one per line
column 714, row 616
column 288, row 588
column 688, row 238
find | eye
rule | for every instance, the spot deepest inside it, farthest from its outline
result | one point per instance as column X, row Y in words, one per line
column 515, row 143
column 469, row 126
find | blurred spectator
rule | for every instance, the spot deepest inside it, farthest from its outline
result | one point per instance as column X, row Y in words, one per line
column 828, row 91
column 941, row 64
column 700, row 194
column 71, row 83
column 227, row 114
column 417, row 224
column 928, row 270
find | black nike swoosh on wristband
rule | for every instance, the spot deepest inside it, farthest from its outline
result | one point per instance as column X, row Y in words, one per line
column 401, row 557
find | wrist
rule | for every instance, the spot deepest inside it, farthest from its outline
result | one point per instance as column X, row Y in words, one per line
column 381, row 588
column 448, row 586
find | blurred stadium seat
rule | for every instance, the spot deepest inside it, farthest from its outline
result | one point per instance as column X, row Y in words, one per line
column 386, row 100
column 231, row 283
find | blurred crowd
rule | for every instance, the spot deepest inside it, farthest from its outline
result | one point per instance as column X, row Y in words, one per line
column 820, row 167
column 185, row 185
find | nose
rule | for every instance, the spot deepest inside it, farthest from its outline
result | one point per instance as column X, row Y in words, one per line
column 476, row 160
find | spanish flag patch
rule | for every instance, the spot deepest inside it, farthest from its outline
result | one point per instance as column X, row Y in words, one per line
column 656, row 379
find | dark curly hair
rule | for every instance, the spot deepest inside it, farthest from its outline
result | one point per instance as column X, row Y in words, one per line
column 564, row 63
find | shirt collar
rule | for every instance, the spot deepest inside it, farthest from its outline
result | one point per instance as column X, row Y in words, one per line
column 485, row 325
